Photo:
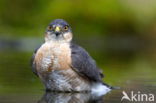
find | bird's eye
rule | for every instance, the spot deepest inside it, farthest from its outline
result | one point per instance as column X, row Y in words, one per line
column 66, row 28
column 50, row 28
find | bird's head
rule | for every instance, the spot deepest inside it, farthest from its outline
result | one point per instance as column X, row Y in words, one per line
column 58, row 30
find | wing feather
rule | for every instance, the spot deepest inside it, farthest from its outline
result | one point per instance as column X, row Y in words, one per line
column 33, row 66
column 83, row 64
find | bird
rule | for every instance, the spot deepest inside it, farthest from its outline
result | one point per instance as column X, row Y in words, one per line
column 64, row 66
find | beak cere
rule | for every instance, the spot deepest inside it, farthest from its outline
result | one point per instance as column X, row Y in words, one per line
column 57, row 29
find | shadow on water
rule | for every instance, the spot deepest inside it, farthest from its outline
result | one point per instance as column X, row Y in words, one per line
column 53, row 97
column 137, row 88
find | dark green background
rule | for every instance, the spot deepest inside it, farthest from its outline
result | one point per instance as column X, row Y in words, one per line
column 119, row 34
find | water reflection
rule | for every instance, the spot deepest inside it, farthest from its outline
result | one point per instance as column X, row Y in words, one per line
column 55, row 97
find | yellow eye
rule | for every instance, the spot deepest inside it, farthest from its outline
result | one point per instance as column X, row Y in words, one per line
column 66, row 28
column 50, row 28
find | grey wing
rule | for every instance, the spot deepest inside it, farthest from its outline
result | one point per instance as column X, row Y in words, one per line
column 33, row 66
column 84, row 65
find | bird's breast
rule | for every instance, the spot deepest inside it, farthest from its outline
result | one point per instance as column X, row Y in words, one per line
column 53, row 56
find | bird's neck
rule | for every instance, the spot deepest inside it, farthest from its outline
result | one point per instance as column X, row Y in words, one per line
column 56, row 41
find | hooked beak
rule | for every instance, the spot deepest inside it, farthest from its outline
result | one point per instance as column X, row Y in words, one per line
column 57, row 29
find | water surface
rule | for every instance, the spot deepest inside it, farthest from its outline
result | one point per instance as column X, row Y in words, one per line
column 19, row 85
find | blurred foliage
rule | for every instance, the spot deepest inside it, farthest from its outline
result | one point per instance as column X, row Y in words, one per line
column 110, row 29
column 87, row 17
column 16, row 74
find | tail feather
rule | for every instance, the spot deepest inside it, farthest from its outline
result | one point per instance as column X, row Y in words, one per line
column 100, row 89
column 111, row 87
